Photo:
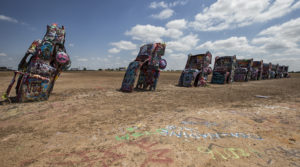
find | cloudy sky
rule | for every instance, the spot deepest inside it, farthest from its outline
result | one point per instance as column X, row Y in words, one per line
column 108, row 34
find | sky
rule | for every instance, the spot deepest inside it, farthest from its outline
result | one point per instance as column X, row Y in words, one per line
column 108, row 34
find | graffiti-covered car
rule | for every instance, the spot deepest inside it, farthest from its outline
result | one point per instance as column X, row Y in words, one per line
column 223, row 71
column 244, row 70
column 41, row 66
column 196, row 70
column 280, row 71
column 266, row 74
column 257, row 70
column 148, row 63
column 274, row 71
column 286, row 72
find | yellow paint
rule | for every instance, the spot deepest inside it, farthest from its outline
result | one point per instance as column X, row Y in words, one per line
column 207, row 151
column 4, row 96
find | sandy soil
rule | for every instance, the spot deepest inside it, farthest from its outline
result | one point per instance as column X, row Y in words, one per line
column 87, row 122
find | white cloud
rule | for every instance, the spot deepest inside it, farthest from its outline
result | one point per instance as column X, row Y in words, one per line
column 9, row 19
column 150, row 33
column 163, row 4
column 181, row 2
column 3, row 54
column 155, row 5
column 83, row 59
column 114, row 50
column 185, row 43
column 167, row 12
column 279, row 38
column 230, row 44
column 276, row 44
column 173, row 33
column 227, row 14
column 71, row 45
column 134, row 53
column 281, row 43
column 122, row 45
column 176, row 60
column 164, row 14
column 178, row 56
column 177, row 24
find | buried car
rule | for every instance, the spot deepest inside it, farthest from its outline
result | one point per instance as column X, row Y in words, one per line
column 243, row 71
column 41, row 66
column 266, row 73
column 280, row 71
column 196, row 70
column 257, row 70
column 223, row 71
column 274, row 71
column 148, row 63
column 286, row 72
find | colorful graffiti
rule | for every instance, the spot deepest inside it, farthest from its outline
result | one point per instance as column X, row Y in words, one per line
column 243, row 72
column 132, row 134
column 223, row 71
column 148, row 63
column 192, row 133
column 198, row 121
column 226, row 153
column 112, row 156
column 196, row 70
column 41, row 66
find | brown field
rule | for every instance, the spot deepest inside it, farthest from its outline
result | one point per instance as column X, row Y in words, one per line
column 87, row 122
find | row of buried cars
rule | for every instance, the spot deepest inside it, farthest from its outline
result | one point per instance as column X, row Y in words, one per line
column 47, row 58
column 227, row 69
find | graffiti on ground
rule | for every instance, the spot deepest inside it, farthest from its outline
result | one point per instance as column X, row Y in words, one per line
column 226, row 153
column 192, row 133
column 198, row 121
column 108, row 157
column 132, row 134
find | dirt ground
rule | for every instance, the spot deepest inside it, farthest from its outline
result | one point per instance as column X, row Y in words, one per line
column 87, row 122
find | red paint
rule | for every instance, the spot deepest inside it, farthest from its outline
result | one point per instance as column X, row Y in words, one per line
column 107, row 157
column 157, row 156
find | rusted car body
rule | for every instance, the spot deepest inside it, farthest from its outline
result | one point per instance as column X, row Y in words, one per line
column 257, row 70
column 196, row 70
column 244, row 70
column 223, row 71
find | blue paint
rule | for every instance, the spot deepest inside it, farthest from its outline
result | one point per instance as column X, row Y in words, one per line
column 182, row 131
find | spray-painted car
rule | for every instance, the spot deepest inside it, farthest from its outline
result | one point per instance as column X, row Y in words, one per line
column 148, row 63
column 280, row 71
column 266, row 74
column 274, row 71
column 286, row 72
column 41, row 66
column 196, row 70
column 257, row 70
column 244, row 70
column 223, row 71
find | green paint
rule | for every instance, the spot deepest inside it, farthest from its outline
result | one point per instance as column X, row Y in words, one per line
column 130, row 129
column 207, row 151
column 136, row 134
column 126, row 137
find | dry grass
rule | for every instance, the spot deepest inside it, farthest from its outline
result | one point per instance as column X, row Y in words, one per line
column 78, row 125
